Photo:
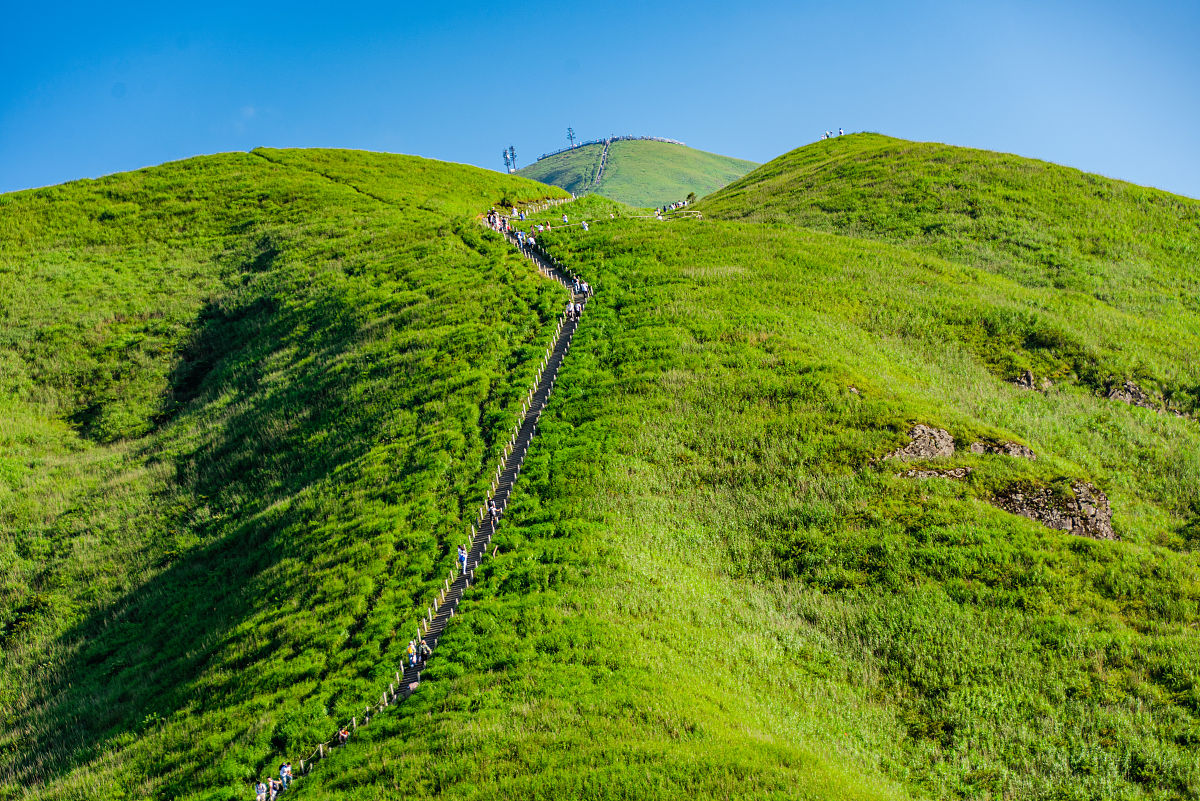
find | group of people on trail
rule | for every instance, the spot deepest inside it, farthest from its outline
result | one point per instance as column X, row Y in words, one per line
column 527, row 242
column 829, row 134
column 268, row 789
column 527, row 239
column 679, row 204
column 418, row 652
column 498, row 221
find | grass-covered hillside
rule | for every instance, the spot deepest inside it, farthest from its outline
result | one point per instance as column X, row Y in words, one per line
column 246, row 407
column 1106, row 244
column 1037, row 223
column 251, row 401
column 712, row 586
column 639, row 173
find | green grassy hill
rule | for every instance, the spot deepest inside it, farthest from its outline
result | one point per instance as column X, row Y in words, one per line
column 250, row 400
column 1125, row 247
column 714, row 588
column 247, row 401
column 1039, row 223
column 639, row 173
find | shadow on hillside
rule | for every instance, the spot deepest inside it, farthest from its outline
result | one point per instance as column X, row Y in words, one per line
column 133, row 663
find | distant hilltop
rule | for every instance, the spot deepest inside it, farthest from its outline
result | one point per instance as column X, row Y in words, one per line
column 642, row 171
column 610, row 140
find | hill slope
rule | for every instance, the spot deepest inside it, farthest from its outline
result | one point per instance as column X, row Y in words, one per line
column 1039, row 223
column 710, row 583
column 713, row 586
column 640, row 173
column 246, row 400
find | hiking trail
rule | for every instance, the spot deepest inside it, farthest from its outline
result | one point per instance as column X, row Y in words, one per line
column 442, row 610
column 603, row 161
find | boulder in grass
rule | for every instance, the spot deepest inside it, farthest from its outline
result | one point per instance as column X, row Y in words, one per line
column 1131, row 393
column 925, row 443
column 1014, row 449
column 951, row 472
column 1026, row 380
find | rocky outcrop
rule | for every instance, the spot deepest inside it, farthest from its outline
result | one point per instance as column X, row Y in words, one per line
column 1085, row 514
column 1131, row 393
column 951, row 472
column 1026, row 380
column 926, row 443
column 1014, row 449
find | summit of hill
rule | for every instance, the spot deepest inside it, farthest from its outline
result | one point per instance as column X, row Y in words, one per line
column 638, row 172
column 1039, row 222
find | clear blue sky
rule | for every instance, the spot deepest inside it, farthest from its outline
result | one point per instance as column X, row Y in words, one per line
column 96, row 88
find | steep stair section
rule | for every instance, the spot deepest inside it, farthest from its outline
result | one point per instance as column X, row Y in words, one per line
column 506, row 478
column 442, row 610
column 603, row 161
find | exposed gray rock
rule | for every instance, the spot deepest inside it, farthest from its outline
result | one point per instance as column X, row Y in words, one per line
column 1026, row 380
column 1014, row 449
column 927, row 443
column 1085, row 514
column 1132, row 394
column 951, row 472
